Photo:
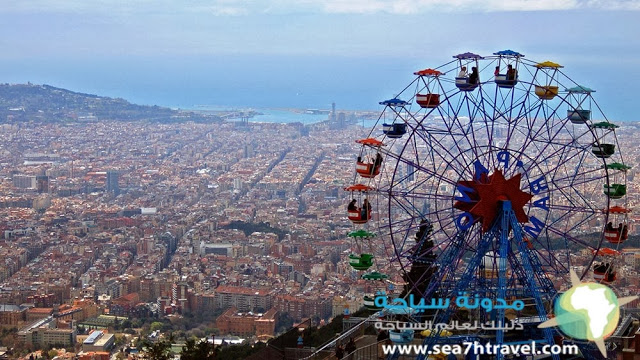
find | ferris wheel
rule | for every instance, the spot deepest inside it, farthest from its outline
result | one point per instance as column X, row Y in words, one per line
column 494, row 176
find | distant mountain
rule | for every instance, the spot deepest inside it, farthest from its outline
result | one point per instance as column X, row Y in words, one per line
column 29, row 102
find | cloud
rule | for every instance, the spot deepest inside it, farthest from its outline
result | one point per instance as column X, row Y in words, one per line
column 245, row 7
column 228, row 10
column 532, row 5
column 403, row 7
column 452, row 6
column 613, row 4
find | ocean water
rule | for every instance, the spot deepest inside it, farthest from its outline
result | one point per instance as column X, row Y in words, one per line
column 288, row 116
column 282, row 116
column 269, row 115
column 268, row 83
column 240, row 82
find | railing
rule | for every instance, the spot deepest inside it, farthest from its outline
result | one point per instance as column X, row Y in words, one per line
column 304, row 353
column 368, row 352
column 356, row 321
column 356, row 328
column 365, row 353
column 623, row 327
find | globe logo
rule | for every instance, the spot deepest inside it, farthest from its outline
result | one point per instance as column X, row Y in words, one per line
column 587, row 311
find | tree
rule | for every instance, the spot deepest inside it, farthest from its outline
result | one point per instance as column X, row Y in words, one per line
column 156, row 325
column 284, row 322
column 8, row 337
column 52, row 353
column 120, row 340
column 161, row 350
column 80, row 329
column 235, row 352
column 198, row 350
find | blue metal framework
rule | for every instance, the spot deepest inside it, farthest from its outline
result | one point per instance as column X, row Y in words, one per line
column 533, row 129
column 527, row 265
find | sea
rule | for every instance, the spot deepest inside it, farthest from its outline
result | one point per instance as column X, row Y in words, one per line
column 266, row 83
column 278, row 115
column 267, row 115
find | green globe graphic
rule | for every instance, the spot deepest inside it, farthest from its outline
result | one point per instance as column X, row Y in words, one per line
column 588, row 311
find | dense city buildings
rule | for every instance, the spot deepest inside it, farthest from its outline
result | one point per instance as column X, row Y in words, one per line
column 133, row 220
column 262, row 325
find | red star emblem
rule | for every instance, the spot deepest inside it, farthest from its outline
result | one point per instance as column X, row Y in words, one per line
column 486, row 196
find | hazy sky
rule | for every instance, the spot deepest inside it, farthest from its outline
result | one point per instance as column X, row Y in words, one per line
column 305, row 53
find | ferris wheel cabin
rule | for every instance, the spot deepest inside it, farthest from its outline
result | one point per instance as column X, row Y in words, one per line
column 509, row 79
column 576, row 114
column 359, row 214
column 370, row 302
column 579, row 116
column 429, row 100
column 362, row 262
column 375, row 276
column 369, row 169
column 615, row 191
column 395, row 102
column 464, row 81
column 603, row 150
column 604, row 273
column 503, row 81
column 356, row 217
column 394, row 130
column 548, row 91
column 401, row 336
column 616, row 235
column 464, row 84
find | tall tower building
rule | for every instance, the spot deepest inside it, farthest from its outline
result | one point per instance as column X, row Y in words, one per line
column 410, row 172
column 249, row 152
column 341, row 120
column 42, row 182
column 112, row 182
column 333, row 112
